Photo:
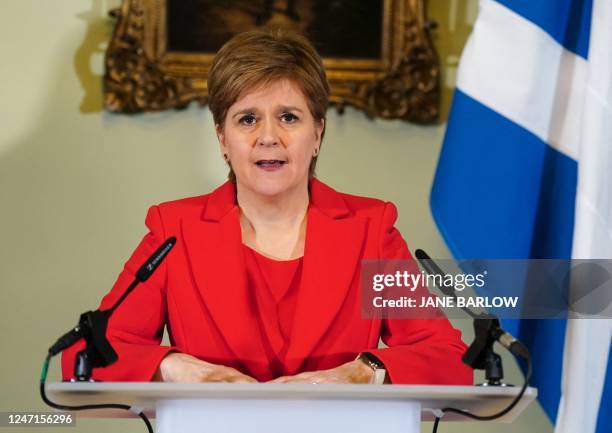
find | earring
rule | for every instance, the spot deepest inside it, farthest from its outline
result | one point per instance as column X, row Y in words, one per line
column 316, row 152
column 225, row 156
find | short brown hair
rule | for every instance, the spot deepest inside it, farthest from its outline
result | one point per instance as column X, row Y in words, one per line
column 259, row 57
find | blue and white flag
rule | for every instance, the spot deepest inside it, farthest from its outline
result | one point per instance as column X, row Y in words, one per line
column 526, row 172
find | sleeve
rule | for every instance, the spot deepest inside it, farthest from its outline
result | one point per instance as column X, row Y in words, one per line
column 426, row 351
column 136, row 327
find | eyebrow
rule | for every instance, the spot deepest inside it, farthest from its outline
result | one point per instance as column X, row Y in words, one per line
column 251, row 110
column 244, row 111
column 290, row 108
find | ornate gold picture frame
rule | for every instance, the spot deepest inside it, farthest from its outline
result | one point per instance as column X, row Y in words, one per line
column 397, row 79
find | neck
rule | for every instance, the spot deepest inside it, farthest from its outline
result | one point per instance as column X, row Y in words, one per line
column 285, row 209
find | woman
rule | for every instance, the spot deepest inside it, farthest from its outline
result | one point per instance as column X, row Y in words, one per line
column 263, row 284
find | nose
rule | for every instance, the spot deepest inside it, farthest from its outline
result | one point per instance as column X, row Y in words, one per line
column 269, row 135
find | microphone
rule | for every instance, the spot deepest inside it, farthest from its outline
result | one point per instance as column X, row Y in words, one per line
column 92, row 324
column 480, row 354
column 147, row 269
column 487, row 330
column 433, row 269
column 98, row 351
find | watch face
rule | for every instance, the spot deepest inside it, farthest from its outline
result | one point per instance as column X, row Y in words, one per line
column 373, row 361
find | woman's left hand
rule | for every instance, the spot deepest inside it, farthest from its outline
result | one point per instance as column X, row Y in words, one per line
column 352, row 372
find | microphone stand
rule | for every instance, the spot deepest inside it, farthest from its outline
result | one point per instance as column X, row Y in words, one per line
column 487, row 330
column 98, row 351
column 480, row 354
column 92, row 325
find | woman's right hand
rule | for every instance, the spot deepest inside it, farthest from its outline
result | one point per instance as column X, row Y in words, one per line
column 180, row 367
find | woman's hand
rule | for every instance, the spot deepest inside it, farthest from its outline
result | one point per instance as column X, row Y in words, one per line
column 180, row 367
column 352, row 372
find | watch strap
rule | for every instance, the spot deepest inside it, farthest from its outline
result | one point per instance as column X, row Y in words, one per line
column 380, row 373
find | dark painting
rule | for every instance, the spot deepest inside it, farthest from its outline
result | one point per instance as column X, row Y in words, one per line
column 338, row 28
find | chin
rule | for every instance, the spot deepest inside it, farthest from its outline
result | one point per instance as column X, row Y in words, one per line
column 270, row 186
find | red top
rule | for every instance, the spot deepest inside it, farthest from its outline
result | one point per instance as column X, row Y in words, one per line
column 274, row 284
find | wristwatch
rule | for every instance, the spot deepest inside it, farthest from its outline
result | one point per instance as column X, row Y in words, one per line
column 380, row 373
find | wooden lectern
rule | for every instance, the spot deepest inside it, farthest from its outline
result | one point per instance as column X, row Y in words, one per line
column 282, row 408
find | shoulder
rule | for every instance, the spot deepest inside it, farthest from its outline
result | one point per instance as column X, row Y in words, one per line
column 184, row 205
column 357, row 205
column 179, row 209
column 212, row 206
column 194, row 206
column 381, row 216
column 364, row 204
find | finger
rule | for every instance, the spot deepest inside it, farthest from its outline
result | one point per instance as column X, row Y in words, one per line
column 302, row 379
column 240, row 377
column 324, row 378
column 244, row 380
column 283, row 379
column 306, row 375
column 305, row 381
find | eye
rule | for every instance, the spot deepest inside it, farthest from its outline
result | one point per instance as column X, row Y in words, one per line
column 247, row 119
column 288, row 117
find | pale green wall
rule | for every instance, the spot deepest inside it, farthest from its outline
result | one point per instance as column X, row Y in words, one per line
column 75, row 182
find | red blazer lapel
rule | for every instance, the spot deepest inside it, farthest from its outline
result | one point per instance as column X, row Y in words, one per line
column 334, row 242
column 215, row 254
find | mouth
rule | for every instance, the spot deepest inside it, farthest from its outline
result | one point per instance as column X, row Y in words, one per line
column 270, row 164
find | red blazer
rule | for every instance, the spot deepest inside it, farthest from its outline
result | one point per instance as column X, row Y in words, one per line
column 200, row 293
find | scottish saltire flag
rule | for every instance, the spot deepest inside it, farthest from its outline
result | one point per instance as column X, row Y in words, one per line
column 526, row 172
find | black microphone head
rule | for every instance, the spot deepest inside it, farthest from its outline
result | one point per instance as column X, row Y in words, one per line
column 155, row 260
column 421, row 255
column 427, row 262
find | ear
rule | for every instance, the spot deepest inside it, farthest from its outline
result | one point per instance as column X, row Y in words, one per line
column 221, row 138
column 319, row 128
